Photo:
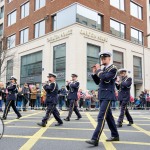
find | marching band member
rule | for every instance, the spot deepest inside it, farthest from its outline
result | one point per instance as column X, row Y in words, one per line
column 105, row 78
column 11, row 98
column 51, row 88
column 124, row 85
column 72, row 96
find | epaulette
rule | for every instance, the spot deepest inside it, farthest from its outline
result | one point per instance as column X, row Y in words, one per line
column 111, row 67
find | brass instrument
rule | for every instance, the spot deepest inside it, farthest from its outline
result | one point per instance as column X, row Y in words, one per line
column 95, row 65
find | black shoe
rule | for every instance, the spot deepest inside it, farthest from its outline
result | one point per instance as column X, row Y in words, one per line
column 78, row 118
column 42, row 124
column 18, row 117
column 93, row 142
column 4, row 118
column 59, row 124
column 113, row 139
column 67, row 119
column 130, row 123
column 118, row 125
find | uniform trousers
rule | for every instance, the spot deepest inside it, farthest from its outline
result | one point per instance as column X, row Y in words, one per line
column 51, row 109
column 73, row 107
column 105, row 113
column 9, row 104
column 124, row 111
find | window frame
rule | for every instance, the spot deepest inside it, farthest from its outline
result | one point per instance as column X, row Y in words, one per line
column 54, row 58
column 122, row 57
column 120, row 23
column 35, row 9
column 24, row 10
column 137, row 10
column 43, row 20
column 138, row 35
column 141, row 75
column 119, row 5
column 9, row 14
column 22, row 30
column 9, row 47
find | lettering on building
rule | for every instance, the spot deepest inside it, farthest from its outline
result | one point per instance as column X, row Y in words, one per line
column 60, row 36
column 93, row 36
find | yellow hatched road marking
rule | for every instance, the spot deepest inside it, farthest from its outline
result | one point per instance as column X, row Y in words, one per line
column 107, row 145
column 82, row 129
column 76, row 139
column 26, row 116
column 33, row 139
column 138, row 128
column 54, row 121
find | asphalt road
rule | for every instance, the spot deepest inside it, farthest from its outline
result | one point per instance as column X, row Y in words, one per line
column 24, row 134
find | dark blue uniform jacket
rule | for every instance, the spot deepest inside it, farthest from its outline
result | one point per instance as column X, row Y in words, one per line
column 106, row 80
column 12, row 90
column 51, row 92
column 124, row 89
column 73, row 90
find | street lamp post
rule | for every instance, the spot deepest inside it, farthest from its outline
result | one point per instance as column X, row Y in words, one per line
column 144, row 57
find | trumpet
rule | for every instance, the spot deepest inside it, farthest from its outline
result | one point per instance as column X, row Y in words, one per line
column 46, row 82
column 69, row 81
column 95, row 65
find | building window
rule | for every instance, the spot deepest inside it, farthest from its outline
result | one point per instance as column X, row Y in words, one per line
column 118, row 59
column 92, row 56
column 24, row 36
column 137, row 66
column 92, row 59
column 54, row 22
column 39, row 4
column 24, row 10
column 39, row 29
column 77, row 13
column 136, row 36
column 9, row 69
column 11, row 18
column 31, row 68
column 1, row 29
column 136, row 10
column 117, row 28
column 11, row 40
column 59, row 60
column 2, row 12
column 88, row 17
column 118, row 4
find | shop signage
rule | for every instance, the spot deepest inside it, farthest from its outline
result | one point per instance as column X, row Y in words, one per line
column 93, row 36
column 60, row 36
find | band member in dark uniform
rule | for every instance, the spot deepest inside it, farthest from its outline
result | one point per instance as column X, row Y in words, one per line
column 11, row 98
column 124, row 85
column 106, row 78
column 72, row 87
column 51, row 88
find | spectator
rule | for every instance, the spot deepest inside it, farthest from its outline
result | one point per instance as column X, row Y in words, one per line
column 97, row 104
column 62, row 96
column 93, row 99
column 67, row 101
column 148, row 101
column 25, row 98
column 88, row 97
column 43, row 97
column 142, row 99
column 19, row 98
column 2, row 95
column 81, row 99
column 33, row 97
column 38, row 97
